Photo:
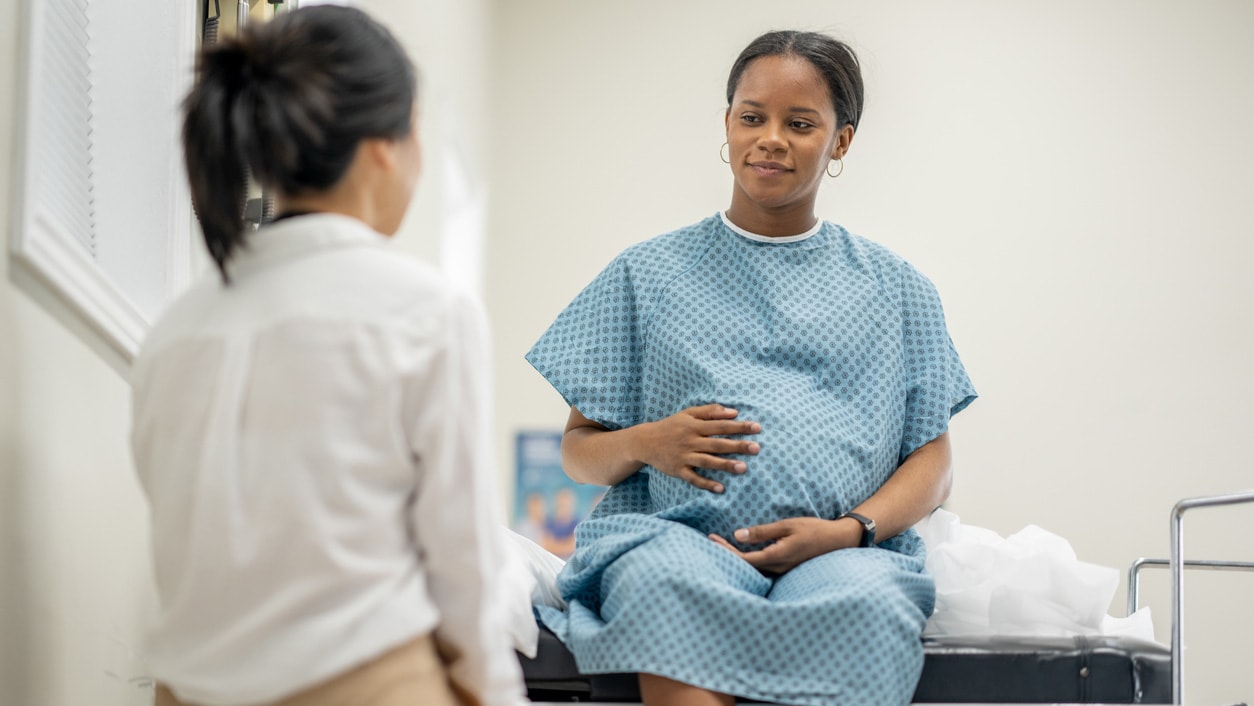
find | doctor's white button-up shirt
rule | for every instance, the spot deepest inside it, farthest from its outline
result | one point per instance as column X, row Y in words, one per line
column 314, row 441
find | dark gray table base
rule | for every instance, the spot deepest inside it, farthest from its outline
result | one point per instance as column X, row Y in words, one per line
column 1079, row 670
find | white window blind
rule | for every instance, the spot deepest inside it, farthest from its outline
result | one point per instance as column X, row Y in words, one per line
column 103, row 221
column 62, row 194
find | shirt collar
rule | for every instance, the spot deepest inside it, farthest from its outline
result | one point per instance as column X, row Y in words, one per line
column 297, row 237
column 766, row 238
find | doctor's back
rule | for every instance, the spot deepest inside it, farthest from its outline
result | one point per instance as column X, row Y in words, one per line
column 310, row 423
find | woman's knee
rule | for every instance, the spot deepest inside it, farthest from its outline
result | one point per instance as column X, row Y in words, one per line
column 676, row 562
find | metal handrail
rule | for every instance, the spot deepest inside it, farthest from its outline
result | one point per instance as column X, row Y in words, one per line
column 1134, row 573
column 1177, row 565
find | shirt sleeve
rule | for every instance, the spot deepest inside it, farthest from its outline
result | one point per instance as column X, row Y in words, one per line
column 593, row 353
column 937, row 386
column 456, row 516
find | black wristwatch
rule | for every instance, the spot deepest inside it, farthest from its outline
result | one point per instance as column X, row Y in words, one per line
column 868, row 527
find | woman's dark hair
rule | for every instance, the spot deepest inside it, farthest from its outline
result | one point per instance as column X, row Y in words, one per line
column 287, row 102
column 834, row 60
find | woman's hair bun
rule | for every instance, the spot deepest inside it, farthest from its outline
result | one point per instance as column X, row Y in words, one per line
column 287, row 101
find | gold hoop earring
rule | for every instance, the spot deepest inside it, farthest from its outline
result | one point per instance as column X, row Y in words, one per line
column 839, row 160
column 725, row 148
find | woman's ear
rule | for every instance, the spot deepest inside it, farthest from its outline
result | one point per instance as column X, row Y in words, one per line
column 843, row 138
column 379, row 152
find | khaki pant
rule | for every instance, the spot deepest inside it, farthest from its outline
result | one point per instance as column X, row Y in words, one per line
column 409, row 675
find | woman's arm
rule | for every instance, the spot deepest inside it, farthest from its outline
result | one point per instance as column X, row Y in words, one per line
column 920, row 484
column 676, row 445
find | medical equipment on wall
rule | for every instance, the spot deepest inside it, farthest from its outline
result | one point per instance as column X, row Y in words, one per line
column 257, row 206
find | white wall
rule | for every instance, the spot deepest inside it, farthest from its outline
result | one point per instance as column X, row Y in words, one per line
column 450, row 41
column 1074, row 176
column 75, row 588
column 73, row 526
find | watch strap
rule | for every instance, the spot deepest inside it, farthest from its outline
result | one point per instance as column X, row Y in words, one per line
column 868, row 527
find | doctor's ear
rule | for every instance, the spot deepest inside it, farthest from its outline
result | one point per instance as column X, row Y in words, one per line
column 380, row 152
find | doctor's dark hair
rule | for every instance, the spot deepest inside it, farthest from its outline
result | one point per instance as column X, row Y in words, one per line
column 287, row 102
column 835, row 61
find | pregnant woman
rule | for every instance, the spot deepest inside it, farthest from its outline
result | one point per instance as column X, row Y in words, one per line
column 769, row 397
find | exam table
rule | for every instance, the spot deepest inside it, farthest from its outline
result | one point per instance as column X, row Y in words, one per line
column 1009, row 669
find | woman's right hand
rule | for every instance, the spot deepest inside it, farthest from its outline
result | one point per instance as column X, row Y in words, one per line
column 687, row 440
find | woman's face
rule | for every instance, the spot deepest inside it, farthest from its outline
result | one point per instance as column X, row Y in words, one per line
column 782, row 133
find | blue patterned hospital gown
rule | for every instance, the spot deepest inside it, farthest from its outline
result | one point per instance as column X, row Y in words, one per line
column 839, row 349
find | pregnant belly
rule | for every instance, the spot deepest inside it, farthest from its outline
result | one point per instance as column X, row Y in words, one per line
column 794, row 475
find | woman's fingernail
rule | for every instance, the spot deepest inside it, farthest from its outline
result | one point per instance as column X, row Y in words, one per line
column 741, row 535
column 718, row 488
column 756, row 427
column 754, row 448
column 740, row 467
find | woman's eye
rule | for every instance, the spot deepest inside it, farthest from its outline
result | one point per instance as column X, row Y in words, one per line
column 750, row 119
column 801, row 125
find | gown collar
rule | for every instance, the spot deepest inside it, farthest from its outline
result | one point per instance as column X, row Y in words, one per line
column 766, row 238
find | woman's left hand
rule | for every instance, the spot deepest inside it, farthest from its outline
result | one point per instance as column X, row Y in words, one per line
column 793, row 541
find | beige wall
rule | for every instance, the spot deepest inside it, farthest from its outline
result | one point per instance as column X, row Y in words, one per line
column 450, row 41
column 73, row 527
column 12, row 586
column 75, row 587
column 1074, row 176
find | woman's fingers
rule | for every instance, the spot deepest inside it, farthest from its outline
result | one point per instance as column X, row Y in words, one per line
column 696, row 438
column 729, row 427
column 764, row 560
column 728, row 545
column 717, row 463
column 698, row 480
column 721, row 421
column 712, row 411
column 763, row 533
column 788, row 543
column 724, row 447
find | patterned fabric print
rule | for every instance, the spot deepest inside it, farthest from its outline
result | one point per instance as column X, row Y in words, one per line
column 842, row 628
column 835, row 345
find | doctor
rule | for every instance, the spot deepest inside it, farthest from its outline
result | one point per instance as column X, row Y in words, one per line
column 308, row 424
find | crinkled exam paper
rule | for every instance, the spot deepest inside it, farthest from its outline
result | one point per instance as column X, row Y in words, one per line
column 1029, row 583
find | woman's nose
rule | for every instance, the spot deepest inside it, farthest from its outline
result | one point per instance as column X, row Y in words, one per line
column 771, row 140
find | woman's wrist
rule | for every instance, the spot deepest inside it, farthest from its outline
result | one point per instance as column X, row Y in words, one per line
column 621, row 453
column 845, row 533
column 637, row 442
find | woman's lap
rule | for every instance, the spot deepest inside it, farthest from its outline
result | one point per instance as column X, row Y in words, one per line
column 844, row 626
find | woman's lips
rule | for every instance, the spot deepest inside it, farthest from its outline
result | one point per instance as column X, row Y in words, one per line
column 769, row 168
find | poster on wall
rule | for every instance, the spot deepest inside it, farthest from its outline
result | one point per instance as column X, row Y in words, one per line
column 547, row 503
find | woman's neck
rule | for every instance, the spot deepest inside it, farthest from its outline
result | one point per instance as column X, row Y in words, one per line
column 782, row 222
column 344, row 202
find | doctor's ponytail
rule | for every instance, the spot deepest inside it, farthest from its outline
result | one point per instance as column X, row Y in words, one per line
column 287, row 102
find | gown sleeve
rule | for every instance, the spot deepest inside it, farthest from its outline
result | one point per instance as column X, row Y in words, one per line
column 937, row 386
column 592, row 353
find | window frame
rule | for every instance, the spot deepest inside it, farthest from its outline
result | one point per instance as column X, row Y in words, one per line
column 49, row 260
